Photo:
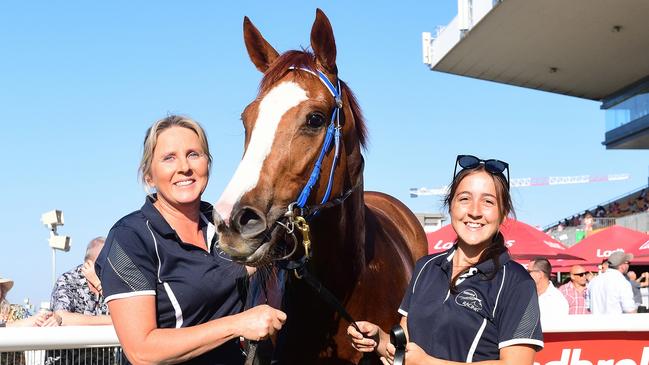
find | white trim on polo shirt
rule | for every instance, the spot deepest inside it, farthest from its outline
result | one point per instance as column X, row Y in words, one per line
column 502, row 283
column 155, row 244
column 174, row 302
column 476, row 339
column 414, row 285
column 520, row 341
column 129, row 295
column 211, row 231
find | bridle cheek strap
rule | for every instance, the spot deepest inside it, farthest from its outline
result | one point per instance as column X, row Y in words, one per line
column 333, row 134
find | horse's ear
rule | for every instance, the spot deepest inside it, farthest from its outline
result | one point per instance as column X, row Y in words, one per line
column 261, row 53
column 323, row 42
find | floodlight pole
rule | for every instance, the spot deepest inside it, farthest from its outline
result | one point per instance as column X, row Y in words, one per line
column 53, row 266
column 52, row 234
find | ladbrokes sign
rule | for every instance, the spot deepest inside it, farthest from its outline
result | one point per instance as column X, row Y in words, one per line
column 595, row 348
column 574, row 357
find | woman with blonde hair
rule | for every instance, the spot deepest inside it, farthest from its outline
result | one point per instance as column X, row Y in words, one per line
column 173, row 295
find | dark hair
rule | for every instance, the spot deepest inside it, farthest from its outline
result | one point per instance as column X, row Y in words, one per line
column 505, row 207
column 543, row 265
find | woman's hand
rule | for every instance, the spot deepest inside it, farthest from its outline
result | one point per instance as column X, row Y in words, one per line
column 368, row 339
column 415, row 355
column 260, row 322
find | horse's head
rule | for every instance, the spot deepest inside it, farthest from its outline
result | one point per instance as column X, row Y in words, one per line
column 286, row 128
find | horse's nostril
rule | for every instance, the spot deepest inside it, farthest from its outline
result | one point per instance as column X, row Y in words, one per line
column 251, row 222
column 248, row 217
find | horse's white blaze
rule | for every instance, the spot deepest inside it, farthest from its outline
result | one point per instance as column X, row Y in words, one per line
column 271, row 109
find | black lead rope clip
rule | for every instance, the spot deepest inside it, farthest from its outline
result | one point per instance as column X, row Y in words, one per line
column 398, row 339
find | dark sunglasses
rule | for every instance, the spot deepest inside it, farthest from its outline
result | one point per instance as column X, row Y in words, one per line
column 580, row 274
column 492, row 166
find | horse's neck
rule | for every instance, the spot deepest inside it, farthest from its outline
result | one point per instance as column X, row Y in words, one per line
column 339, row 237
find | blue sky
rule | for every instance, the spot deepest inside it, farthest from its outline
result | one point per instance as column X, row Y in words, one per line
column 81, row 81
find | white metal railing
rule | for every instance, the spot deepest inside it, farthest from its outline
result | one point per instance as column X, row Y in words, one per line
column 69, row 345
column 636, row 322
column 50, row 338
column 470, row 12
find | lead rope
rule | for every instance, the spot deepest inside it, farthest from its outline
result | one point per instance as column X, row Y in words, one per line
column 399, row 340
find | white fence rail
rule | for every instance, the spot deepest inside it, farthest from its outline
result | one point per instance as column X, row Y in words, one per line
column 97, row 345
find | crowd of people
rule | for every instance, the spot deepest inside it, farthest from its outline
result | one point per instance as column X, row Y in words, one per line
column 174, row 296
column 612, row 290
column 588, row 219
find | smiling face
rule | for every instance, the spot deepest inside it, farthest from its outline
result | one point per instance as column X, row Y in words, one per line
column 179, row 168
column 475, row 210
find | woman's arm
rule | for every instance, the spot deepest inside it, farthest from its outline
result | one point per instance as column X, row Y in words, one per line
column 415, row 355
column 134, row 319
column 510, row 355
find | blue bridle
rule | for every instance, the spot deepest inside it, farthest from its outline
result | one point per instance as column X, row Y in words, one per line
column 333, row 133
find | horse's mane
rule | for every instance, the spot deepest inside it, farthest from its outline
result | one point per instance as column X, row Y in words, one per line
column 306, row 59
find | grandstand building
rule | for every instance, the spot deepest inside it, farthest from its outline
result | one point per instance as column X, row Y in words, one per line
column 596, row 50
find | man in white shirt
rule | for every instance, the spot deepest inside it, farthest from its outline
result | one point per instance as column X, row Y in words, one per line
column 551, row 302
column 610, row 291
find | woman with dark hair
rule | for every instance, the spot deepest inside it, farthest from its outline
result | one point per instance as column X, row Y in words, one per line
column 471, row 303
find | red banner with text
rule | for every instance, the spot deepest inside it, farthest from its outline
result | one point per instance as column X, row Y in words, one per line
column 594, row 348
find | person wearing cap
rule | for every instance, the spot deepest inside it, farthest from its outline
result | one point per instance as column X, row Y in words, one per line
column 15, row 315
column 610, row 292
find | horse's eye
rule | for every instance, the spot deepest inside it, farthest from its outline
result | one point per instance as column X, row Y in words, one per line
column 315, row 120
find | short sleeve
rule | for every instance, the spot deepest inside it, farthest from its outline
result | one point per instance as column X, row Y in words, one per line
column 405, row 302
column 518, row 317
column 418, row 272
column 126, row 266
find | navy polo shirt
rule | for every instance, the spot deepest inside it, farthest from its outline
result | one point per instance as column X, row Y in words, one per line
column 143, row 255
column 483, row 317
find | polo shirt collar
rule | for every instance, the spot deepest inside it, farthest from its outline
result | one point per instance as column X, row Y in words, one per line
column 484, row 267
column 158, row 222
column 154, row 217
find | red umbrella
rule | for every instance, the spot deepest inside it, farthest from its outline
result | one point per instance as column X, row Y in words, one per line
column 596, row 247
column 524, row 241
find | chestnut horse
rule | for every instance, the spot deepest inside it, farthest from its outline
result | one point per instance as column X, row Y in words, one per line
column 364, row 244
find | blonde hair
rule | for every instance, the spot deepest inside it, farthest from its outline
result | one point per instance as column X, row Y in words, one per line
column 151, row 139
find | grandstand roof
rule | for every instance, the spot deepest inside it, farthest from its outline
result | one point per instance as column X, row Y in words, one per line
column 587, row 49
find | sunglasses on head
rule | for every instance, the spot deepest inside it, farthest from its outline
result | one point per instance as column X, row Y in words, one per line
column 491, row 165
column 580, row 274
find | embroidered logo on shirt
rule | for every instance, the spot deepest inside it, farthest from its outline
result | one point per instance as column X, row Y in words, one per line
column 468, row 298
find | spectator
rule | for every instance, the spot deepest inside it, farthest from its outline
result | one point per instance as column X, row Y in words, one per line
column 77, row 295
column 77, row 300
column 603, row 266
column 588, row 222
column 473, row 288
column 635, row 286
column 600, row 212
column 575, row 291
column 173, row 295
column 12, row 315
column 551, row 301
column 615, row 209
column 610, row 292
